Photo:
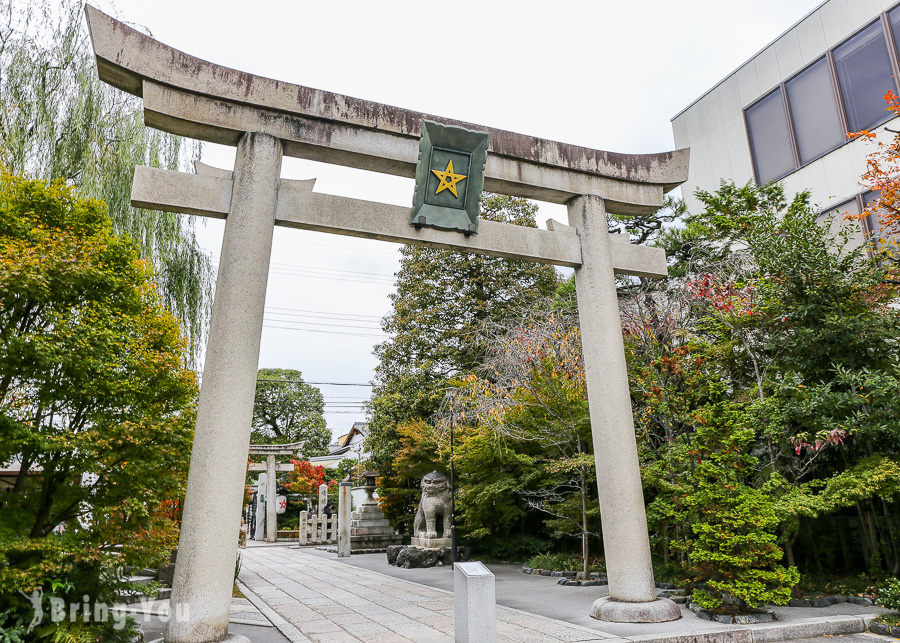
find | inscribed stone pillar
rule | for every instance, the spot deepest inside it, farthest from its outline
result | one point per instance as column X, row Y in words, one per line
column 207, row 547
column 323, row 498
column 625, row 540
column 271, row 516
column 260, row 513
column 343, row 517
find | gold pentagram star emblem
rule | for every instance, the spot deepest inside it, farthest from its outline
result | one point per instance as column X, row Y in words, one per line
column 448, row 179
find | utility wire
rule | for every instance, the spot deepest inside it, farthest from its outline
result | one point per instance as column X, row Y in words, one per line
column 291, row 321
column 330, row 332
column 327, row 313
column 293, row 266
column 386, row 284
column 319, row 383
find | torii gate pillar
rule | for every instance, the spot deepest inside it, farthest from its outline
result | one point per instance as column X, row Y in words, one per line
column 632, row 590
column 215, row 487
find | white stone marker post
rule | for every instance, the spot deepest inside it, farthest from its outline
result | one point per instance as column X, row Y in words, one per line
column 304, row 526
column 626, row 544
column 343, row 517
column 271, row 515
column 259, row 516
column 323, row 499
column 474, row 603
column 215, row 488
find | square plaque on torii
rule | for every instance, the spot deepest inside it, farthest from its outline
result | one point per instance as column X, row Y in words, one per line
column 449, row 177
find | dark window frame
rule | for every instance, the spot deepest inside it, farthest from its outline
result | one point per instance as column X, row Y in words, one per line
column 790, row 129
column 894, row 58
column 859, row 200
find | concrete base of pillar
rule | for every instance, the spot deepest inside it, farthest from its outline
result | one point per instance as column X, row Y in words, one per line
column 658, row 611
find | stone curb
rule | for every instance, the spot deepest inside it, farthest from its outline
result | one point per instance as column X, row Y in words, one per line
column 768, row 633
column 291, row 632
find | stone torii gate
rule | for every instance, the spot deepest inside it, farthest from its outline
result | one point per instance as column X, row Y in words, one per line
column 266, row 119
column 271, row 468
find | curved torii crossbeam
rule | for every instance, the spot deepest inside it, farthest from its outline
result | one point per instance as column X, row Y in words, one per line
column 267, row 119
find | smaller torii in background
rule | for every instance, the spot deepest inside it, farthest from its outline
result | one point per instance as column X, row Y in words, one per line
column 271, row 468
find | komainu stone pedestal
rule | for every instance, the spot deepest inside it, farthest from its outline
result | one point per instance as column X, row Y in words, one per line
column 369, row 529
column 412, row 557
column 430, row 543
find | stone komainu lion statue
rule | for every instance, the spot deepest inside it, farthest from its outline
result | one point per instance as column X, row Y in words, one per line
column 435, row 504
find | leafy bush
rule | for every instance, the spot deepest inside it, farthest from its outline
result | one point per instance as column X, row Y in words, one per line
column 564, row 562
column 514, row 547
column 889, row 594
column 734, row 554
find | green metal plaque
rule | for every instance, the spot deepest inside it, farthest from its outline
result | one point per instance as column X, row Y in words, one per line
column 449, row 177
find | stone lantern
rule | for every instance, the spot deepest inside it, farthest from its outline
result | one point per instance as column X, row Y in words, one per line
column 368, row 478
column 370, row 531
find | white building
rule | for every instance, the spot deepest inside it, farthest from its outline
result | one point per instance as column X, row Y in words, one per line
column 784, row 114
column 350, row 446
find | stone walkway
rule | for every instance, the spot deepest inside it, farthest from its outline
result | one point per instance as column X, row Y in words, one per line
column 323, row 601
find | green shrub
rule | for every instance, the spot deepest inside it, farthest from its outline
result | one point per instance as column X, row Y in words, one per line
column 735, row 557
column 564, row 562
column 514, row 547
column 889, row 594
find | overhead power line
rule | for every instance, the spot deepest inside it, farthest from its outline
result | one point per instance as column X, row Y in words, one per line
column 293, row 266
column 290, row 321
column 316, row 313
column 317, row 383
column 328, row 332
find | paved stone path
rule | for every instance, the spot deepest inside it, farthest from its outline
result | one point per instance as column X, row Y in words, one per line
column 323, row 601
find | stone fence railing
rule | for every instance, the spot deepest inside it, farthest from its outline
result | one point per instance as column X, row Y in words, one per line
column 316, row 529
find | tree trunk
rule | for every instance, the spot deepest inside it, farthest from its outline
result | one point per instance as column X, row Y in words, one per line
column 788, row 548
column 868, row 543
column 665, row 544
column 812, row 545
column 889, row 525
column 48, row 489
column 23, row 472
column 881, row 541
column 841, row 528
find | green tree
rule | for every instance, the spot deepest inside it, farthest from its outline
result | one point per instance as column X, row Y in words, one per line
column 533, row 398
column 286, row 409
column 58, row 121
column 735, row 558
column 799, row 325
column 95, row 403
column 441, row 300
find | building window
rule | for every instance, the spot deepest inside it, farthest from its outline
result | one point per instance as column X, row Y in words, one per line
column 770, row 138
column 808, row 115
column 814, row 112
column 894, row 20
column 864, row 72
column 864, row 228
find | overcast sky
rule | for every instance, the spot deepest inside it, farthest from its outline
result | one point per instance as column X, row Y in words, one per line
column 602, row 74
